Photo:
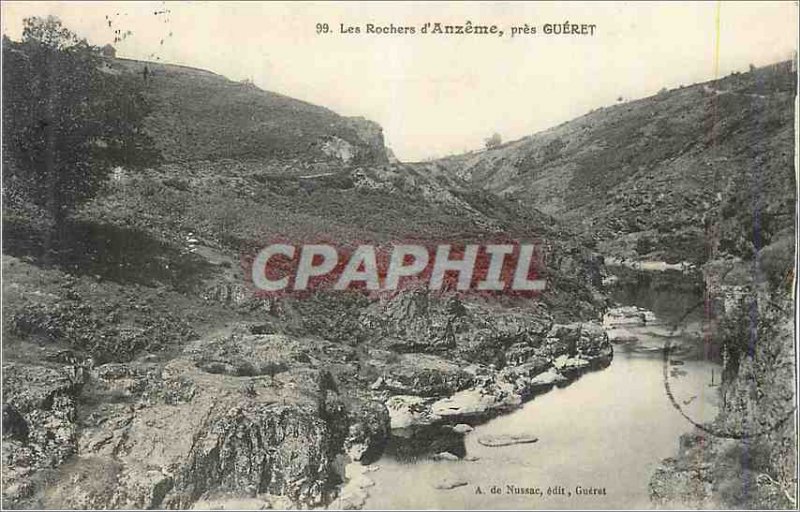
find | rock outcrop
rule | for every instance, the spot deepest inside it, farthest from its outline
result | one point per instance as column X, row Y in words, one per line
column 746, row 457
column 526, row 355
column 202, row 426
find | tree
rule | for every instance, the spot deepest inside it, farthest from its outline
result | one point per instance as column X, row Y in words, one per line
column 494, row 141
column 66, row 124
column 48, row 32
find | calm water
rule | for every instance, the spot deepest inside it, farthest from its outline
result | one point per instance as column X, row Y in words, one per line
column 609, row 429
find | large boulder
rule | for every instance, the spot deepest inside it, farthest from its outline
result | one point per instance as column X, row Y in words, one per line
column 421, row 375
column 408, row 411
column 368, row 432
column 39, row 428
column 214, row 421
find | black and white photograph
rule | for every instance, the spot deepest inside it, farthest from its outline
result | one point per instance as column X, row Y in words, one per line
column 428, row 255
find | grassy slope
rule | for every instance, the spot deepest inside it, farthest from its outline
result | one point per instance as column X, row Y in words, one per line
column 199, row 115
column 232, row 175
column 657, row 168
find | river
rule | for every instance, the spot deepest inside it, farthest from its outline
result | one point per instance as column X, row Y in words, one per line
column 608, row 430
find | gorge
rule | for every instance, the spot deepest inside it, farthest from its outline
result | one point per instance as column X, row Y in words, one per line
column 141, row 371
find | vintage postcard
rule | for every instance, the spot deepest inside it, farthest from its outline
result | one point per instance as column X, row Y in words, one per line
column 399, row 255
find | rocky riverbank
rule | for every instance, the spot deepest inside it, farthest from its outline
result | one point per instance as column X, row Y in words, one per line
column 566, row 352
column 268, row 412
column 746, row 457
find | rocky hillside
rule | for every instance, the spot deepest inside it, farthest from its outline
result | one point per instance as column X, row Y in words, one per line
column 747, row 457
column 702, row 174
column 140, row 371
column 648, row 176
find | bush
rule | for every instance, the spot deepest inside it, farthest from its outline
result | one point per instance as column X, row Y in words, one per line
column 96, row 331
column 494, row 141
column 177, row 183
column 777, row 262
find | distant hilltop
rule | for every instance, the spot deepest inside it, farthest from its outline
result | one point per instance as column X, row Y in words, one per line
column 644, row 177
column 200, row 115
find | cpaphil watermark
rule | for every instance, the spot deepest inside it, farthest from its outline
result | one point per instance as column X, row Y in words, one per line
column 280, row 268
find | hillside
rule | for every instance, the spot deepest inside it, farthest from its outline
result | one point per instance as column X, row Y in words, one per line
column 199, row 115
column 648, row 176
column 140, row 370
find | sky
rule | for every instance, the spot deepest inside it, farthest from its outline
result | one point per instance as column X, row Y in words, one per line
column 438, row 95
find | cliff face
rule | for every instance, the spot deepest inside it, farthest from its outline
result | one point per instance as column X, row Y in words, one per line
column 747, row 457
column 372, row 134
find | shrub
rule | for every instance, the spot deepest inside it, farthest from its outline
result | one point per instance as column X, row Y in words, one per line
column 177, row 183
column 494, row 141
